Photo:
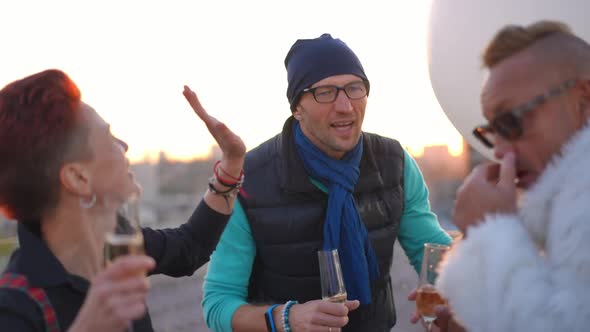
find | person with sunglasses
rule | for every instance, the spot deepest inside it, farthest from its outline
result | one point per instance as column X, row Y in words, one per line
column 321, row 183
column 523, row 264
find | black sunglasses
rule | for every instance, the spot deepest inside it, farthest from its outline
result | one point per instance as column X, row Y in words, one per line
column 508, row 124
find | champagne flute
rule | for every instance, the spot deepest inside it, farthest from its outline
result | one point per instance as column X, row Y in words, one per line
column 127, row 237
column 427, row 297
column 333, row 289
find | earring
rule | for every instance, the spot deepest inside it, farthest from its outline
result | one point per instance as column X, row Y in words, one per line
column 88, row 204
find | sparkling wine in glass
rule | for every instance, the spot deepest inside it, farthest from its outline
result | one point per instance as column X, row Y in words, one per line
column 333, row 289
column 126, row 238
column 427, row 297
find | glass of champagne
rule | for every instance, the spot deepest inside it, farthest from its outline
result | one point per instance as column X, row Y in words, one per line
column 427, row 297
column 333, row 289
column 126, row 238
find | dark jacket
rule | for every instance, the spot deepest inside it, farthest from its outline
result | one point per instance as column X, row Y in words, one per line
column 177, row 252
column 286, row 212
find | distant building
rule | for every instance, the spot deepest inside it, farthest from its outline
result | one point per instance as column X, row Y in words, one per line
column 183, row 177
column 171, row 189
column 443, row 174
column 437, row 164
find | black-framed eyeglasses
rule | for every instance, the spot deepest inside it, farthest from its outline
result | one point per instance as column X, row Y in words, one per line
column 508, row 124
column 326, row 94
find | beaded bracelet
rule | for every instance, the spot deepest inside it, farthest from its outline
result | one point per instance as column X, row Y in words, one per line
column 285, row 317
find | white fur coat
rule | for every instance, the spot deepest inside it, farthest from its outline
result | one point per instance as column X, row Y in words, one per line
column 531, row 271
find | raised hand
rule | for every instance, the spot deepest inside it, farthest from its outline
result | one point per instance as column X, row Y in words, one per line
column 233, row 154
column 231, row 145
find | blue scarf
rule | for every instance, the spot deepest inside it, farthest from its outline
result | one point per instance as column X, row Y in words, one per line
column 343, row 229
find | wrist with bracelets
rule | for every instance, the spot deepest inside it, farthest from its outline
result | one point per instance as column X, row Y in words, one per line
column 226, row 179
column 233, row 185
column 285, row 316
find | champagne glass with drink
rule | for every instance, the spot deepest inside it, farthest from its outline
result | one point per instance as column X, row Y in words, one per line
column 333, row 289
column 427, row 297
column 126, row 238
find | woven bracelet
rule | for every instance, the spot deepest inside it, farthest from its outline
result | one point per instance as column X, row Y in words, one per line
column 234, row 182
column 285, row 317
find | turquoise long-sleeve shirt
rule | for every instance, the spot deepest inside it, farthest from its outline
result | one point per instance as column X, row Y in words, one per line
column 226, row 283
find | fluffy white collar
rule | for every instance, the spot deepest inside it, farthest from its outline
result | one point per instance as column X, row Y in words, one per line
column 567, row 174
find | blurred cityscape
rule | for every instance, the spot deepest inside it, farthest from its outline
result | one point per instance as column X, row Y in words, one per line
column 171, row 190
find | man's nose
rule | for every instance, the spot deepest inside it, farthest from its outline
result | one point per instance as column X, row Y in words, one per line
column 342, row 102
column 501, row 147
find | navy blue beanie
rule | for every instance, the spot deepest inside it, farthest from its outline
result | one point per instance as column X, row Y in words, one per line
column 312, row 60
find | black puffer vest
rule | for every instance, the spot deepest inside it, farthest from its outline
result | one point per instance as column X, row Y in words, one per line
column 286, row 212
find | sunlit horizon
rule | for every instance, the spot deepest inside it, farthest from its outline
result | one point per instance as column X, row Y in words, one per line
column 453, row 151
column 132, row 58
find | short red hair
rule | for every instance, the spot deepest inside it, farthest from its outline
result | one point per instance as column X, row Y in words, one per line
column 40, row 130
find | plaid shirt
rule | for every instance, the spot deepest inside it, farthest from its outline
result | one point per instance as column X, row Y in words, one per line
column 178, row 252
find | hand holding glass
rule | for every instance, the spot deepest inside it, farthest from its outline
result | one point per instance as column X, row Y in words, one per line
column 333, row 289
column 127, row 237
column 427, row 298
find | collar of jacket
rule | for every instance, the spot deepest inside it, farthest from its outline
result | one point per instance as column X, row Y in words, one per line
column 36, row 261
column 565, row 177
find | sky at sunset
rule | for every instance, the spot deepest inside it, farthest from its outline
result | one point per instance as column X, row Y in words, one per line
column 132, row 58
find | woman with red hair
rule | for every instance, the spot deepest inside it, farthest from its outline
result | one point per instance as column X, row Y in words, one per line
column 63, row 176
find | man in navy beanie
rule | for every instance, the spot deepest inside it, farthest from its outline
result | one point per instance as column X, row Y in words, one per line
column 320, row 184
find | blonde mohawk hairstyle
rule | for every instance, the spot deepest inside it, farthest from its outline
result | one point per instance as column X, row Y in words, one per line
column 513, row 38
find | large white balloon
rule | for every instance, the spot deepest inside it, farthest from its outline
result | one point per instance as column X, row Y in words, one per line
column 459, row 31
